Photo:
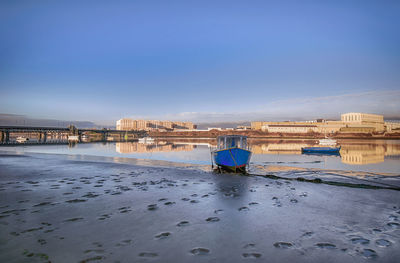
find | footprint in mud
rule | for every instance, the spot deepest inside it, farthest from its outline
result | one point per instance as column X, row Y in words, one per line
column 183, row 223
column 99, row 251
column 283, row 245
column 162, row 199
column 40, row 256
column 148, row 255
column 325, row 245
column 200, row 251
column 73, row 219
column 308, row 234
column 294, row 201
column 31, row 230
column 124, row 243
column 105, row 216
column 76, row 201
column 218, row 211
column 383, row 243
column 193, row 195
column 204, row 196
column 360, row 240
column 194, row 201
column 42, row 204
column 124, row 209
column 212, row 219
column 42, row 241
column 376, row 230
column 169, row 203
column 90, row 195
column 68, row 193
column 393, row 225
column 253, row 203
column 152, row 207
column 243, row 208
column 163, row 235
column 185, row 199
column 369, row 253
column 95, row 258
column 250, row 245
column 251, row 255
column 304, row 194
column 277, row 202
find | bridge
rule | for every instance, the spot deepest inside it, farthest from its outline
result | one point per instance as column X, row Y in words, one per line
column 42, row 132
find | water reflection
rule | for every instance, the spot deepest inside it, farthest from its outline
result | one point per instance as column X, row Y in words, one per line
column 160, row 146
column 353, row 152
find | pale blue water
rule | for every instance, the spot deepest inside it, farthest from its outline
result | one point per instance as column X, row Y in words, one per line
column 367, row 156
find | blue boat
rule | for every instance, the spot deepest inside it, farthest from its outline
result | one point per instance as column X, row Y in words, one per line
column 232, row 153
column 321, row 150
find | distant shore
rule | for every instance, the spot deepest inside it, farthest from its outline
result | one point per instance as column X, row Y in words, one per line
column 265, row 135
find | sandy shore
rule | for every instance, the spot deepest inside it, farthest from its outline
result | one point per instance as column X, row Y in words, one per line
column 62, row 208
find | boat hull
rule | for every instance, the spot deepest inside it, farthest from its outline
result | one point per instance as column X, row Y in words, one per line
column 232, row 159
column 321, row 150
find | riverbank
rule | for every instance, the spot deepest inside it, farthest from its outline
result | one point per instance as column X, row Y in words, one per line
column 70, row 208
column 256, row 134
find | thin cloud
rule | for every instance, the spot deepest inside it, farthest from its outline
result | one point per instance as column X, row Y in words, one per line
column 330, row 107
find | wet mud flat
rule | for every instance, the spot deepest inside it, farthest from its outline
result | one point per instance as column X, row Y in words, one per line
column 56, row 209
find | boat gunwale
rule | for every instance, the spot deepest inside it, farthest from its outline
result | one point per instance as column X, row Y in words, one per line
column 230, row 149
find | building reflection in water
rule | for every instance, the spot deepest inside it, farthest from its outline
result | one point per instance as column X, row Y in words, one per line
column 352, row 152
column 160, row 146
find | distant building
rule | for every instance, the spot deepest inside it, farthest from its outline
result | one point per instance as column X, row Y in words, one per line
column 349, row 123
column 243, row 128
column 152, row 125
column 364, row 120
column 291, row 127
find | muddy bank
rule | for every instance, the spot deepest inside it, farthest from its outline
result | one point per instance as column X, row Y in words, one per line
column 62, row 208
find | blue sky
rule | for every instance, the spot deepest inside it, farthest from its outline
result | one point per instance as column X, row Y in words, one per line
column 199, row 60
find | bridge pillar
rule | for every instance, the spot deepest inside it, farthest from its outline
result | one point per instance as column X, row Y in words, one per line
column 104, row 136
column 44, row 136
column 7, row 137
column 2, row 136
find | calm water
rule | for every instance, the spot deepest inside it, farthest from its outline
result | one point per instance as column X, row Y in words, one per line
column 378, row 156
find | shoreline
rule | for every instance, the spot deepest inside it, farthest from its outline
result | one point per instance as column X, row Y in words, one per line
column 338, row 175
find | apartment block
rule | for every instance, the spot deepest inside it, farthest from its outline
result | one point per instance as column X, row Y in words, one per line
column 349, row 123
column 151, row 125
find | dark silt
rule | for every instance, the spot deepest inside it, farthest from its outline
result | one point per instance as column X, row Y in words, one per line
column 54, row 208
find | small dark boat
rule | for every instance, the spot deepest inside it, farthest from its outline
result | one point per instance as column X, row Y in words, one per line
column 232, row 153
column 321, row 150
